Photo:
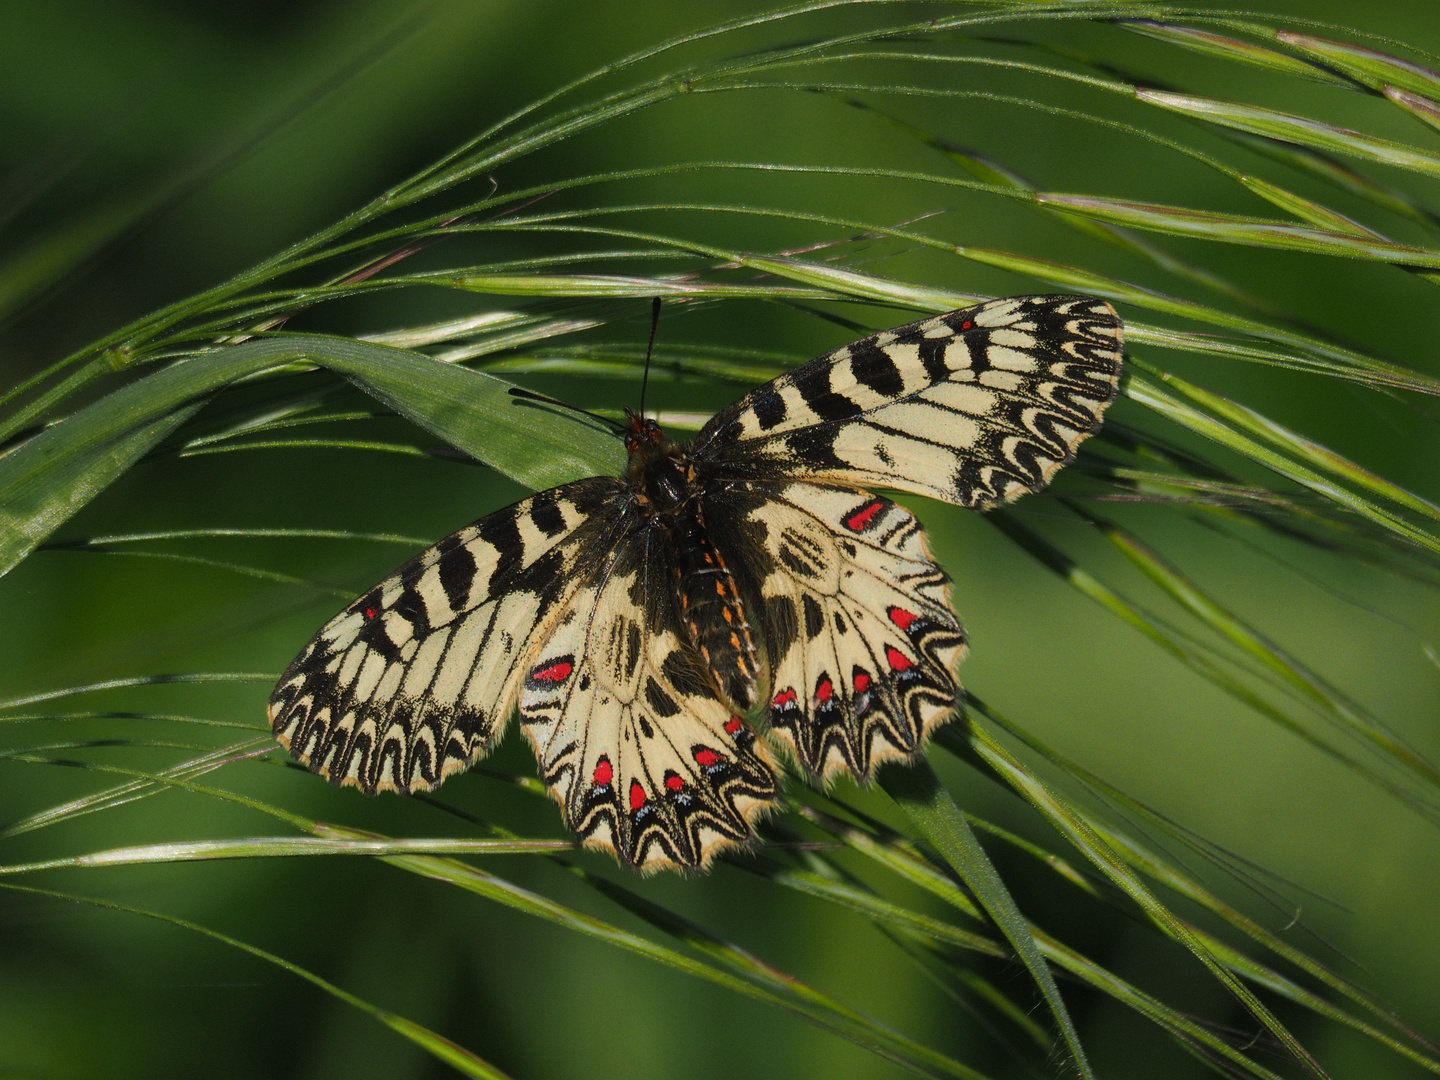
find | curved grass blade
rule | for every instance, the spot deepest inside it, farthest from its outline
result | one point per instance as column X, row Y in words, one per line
column 1366, row 66
column 1166, row 873
column 438, row 1046
column 928, row 805
column 1073, row 826
column 48, row 478
column 265, row 847
column 1238, row 229
column 1228, row 48
column 1296, row 129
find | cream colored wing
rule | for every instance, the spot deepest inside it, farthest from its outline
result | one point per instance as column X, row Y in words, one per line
column 632, row 740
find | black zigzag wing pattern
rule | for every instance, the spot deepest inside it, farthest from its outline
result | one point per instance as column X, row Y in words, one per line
column 417, row 678
column 859, row 633
column 633, row 740
column 975, row 407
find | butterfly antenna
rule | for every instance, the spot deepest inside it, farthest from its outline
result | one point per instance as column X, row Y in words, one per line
column 530, row 395
column 650, row 348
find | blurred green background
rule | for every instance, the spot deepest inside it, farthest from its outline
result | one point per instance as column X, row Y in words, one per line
column 202, row 138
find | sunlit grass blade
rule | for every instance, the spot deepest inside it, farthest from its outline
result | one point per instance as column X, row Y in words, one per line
column 1296, row 675
column 1238, row 229
column 1089, row 843
column 111, row 540
column 1422, row 108
column 1177, row 646
column 50, row 477
column 438, row 1046
column 266, row 847
column 227, row 565
column 1366, row 66
column 815, row 1008
column 139, row 787
column 1233, row 49
column 1152, row 396
column 920, row 794
column 1166, row 873
column 1296, row 129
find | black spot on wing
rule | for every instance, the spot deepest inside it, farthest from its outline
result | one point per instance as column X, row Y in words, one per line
column 685, row 675
column 769, row 407
column 457, row 574
column 815, row 447
column 814, row 387
column 545, row 513
column 932, row 357
column 872, row 367
column 814, row 616
column 782, row 626
column 663, row 704
column 501, row 531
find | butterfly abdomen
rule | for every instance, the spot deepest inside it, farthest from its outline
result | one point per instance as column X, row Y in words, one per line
column 710, row 607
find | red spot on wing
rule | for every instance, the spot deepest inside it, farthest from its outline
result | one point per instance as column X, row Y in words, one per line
column 785, row 697
column 824, row 691
column 902, row 618
column 898, row 660
column 603, row 773
column 966, row 325
column 862, row 682
column 733, row 726
column 673, row 782
column 557, row 672
column 370, row 613
column 707, row 757
column 637, row 795
column 862, row 519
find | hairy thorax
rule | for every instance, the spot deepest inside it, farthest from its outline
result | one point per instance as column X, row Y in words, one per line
column 667, row 488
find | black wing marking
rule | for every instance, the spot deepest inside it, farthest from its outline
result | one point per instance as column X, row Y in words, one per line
column 416, row 679
column 975, row 407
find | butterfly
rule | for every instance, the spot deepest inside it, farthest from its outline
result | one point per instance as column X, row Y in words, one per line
column 666, row 634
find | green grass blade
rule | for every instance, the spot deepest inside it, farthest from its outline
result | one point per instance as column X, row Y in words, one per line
column 1366, row 66
column 1212, row 44
column 47, row 479
column 438, row 1046
column 1073, row 826
column 1238, row 229
column 928, row 805
column 266, row 847
column 1296, row 129
column 1152, row 396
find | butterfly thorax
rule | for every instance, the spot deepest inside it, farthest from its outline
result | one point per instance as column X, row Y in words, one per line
column 667, row 488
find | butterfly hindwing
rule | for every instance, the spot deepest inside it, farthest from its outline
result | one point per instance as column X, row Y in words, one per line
column 416, row 679
column 632, row 737
column 861, row 639
column 975, row 407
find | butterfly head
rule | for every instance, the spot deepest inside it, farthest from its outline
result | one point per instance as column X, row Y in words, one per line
column 641, row 432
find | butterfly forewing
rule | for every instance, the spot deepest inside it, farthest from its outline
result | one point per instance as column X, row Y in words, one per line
column 631, row 736
column 417, row 678
column 975, row 407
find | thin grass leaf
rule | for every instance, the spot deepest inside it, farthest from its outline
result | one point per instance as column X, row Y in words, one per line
column 111, row 540
column 1178, row 647
column 227, row 565
column 1297, row 675
column 928, row 805
column 782, row 994
column 1366, row 66
column 50, row 477
column 1238, row 229
column 438, row 1046
column 1166, row 873
column 1422, row 108
column 1089, row 843
column 1229, row 48
column 269, row 847
column 1296, row 129
column 1152, row 396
